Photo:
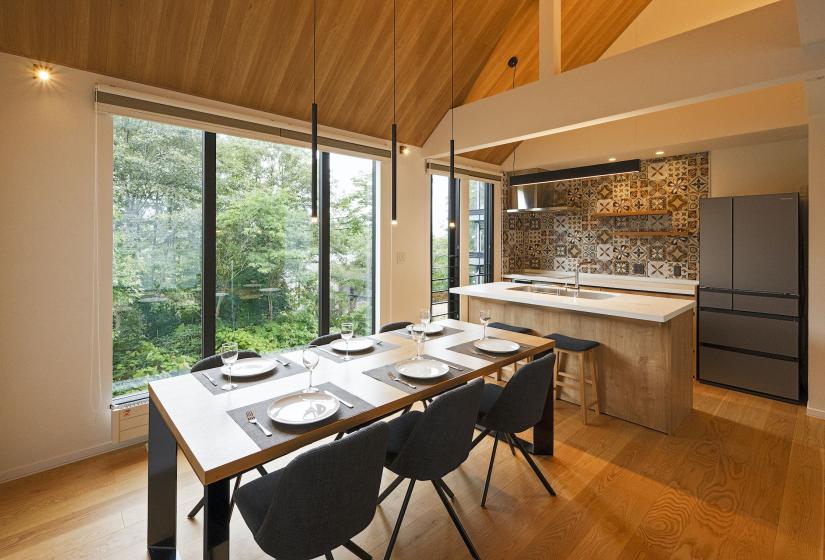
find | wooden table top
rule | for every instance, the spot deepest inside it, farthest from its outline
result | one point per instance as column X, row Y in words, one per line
column 217, row 447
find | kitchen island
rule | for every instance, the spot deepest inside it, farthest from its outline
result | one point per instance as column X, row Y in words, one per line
column 645, row 361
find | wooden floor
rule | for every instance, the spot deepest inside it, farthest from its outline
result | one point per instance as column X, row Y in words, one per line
column 743, row 478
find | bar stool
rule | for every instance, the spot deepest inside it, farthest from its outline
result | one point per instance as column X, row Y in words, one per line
column 511, row 328
column 567, row 346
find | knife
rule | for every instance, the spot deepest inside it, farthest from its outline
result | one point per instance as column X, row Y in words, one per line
column 339, row 399
column 206, row 375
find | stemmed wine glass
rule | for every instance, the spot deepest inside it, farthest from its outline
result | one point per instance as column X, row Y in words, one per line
column 229, row 355
column 310, row 358
column 484, row 316
column 425, row 317
column 346, row 334
column 419, row 331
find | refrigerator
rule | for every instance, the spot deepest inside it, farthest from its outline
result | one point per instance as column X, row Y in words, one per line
column 751, row 322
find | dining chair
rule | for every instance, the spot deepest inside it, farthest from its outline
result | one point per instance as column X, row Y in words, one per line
column 211, row 362
column 325, row 339
column 396, row 326
column 426, row 446
column 518, row 406
column 320, row 500
column 511, row 328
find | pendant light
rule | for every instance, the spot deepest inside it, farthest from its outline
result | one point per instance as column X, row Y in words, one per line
column 512, row 63
column 394, row 160
column 314, row 188
column 452, row 112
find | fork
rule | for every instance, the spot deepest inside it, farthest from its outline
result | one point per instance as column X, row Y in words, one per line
column 252, row 420
column 396, row 378
column 282, row 362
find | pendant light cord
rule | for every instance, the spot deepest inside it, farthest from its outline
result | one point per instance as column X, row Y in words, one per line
column 393, row 59
column 452, row 70
column 314, row 23
column 512, row 88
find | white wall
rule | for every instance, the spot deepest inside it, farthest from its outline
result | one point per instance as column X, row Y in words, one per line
column 773, row 167
column 54, row 398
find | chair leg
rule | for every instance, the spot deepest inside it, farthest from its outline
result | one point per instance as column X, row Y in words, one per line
column 234, row 492
column 262, row 470
column 424, row 402
column 533, row 465
column 480, row 437
column 582, row 388
column 446, row 489
column 401, row 513
column 195, row 510
column 594, row 376
column 393, row 485
column 510, row 443
column 357, row 550
column 489, row 472
column 556, row 368
column 456, row 522
column 328, row 556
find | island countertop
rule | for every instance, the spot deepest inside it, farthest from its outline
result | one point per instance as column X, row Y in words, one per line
column 628, row 306
column 636, row 283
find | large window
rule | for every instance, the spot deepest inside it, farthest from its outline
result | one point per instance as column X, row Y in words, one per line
column 194, row 208
column 444, row 247
column 480, row 234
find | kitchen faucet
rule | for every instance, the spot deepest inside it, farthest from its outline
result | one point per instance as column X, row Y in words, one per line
column 578, row 268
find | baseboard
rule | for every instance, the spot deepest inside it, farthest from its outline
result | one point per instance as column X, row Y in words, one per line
column 59, row 461
column 816, row 413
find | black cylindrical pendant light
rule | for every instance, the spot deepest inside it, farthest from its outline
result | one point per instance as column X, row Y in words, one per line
column 452, row 209
column 314, row 187
column 394, row 157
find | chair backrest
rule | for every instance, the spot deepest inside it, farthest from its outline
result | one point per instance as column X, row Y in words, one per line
column 511, row 328
column 396, row 326
column 441, row 440
column 215, row 361
column 325, row 496
column 521, row 403
column 325, row 339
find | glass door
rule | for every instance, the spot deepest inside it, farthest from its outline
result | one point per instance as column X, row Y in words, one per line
column 444, row 247
column 480, row 232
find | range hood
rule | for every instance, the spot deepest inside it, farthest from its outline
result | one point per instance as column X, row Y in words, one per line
column 533, row 192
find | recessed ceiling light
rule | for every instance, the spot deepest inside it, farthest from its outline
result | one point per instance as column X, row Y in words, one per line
column 611, row 159
column 660, row 153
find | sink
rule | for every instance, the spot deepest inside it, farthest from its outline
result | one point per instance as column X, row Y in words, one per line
column 558, row 291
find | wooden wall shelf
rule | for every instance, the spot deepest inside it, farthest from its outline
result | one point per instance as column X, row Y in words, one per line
column 631, row 213
column 650, row 233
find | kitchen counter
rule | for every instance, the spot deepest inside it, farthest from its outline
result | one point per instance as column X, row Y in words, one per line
column 636, row 283
column 628, row 306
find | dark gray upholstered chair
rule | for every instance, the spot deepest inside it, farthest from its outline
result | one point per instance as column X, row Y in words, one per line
column 320, row 500
column 511, row 328
column 396, row 326
column 518, row 406
column 426, row 446
column 325, row 339
column 211, row 362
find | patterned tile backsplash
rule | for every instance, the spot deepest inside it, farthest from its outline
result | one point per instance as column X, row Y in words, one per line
column 548, row 241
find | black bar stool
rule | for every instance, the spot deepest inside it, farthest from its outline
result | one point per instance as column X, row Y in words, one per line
column 583, row 350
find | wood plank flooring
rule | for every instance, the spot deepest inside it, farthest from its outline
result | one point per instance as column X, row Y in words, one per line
column 743, row 478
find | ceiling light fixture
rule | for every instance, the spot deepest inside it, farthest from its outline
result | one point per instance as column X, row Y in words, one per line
column 660, row 153
column 611, row 159
column 394, row 160
column 512, row 63
column 42, row 73
column 452, row 209
column 314, row 187
column 404, row 150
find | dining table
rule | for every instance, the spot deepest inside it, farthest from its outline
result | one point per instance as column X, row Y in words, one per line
column 207, row 425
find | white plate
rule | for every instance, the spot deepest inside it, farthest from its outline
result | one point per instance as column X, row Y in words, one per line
column 496, row 345
column 303, row 408
column 250, row 367
column 433, row 328
column 355, row 345
column 422, row 369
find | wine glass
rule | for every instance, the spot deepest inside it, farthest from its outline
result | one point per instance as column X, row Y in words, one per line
column 229, row 355
column 484, row 316
column 419, row 331
column 346, row 334
column 425, row 317
column 310, row 359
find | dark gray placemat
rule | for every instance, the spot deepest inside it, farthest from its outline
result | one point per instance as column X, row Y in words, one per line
column 338, row 357
column 446, row 332
column 283, row 432
column 280, row 372
column 470, row 350
column 381, row 374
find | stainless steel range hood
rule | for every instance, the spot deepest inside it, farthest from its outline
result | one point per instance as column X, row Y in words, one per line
column 538, row 198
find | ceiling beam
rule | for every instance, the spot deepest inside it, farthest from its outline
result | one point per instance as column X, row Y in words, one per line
column 739, row 54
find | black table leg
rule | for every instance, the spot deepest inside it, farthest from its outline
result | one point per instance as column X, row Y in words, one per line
column 216, row 514
column 543, row 431
column 162, row 491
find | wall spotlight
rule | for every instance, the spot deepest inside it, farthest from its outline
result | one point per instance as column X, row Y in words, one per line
column 404, row 150
column 42, row 73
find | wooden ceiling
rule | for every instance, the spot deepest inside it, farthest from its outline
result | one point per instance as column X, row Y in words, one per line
column 258, row 53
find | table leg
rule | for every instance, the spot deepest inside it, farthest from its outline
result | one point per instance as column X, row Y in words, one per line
column 216, row 521
column 162, row 489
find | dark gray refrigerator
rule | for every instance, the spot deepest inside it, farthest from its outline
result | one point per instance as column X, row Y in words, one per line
column 751, row 298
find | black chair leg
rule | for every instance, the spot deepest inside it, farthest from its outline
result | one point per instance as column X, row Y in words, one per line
column 401, row 513
column 234, row 492
column 489, row 472
column 456, row 522
column 339, row 436
column 446, row 489
column 533, row 465
column 480, row 437
column 195, row 509
column 393, row 485
column 328, row 556
column 262, row 470
column 357, row 550
column 510, row 442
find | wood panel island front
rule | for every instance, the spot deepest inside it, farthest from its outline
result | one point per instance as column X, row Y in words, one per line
column 645, row 361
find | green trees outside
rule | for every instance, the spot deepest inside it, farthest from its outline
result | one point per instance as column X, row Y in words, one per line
column 267, row 250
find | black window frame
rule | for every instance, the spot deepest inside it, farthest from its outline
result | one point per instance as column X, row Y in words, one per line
column 453, row 249
column 487, row 212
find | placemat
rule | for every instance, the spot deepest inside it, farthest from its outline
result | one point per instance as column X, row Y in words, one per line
column 279, row 372
column 432, row 336
column 283, row 432
column 381, row 374
column 338, row 357
column 468, row 349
